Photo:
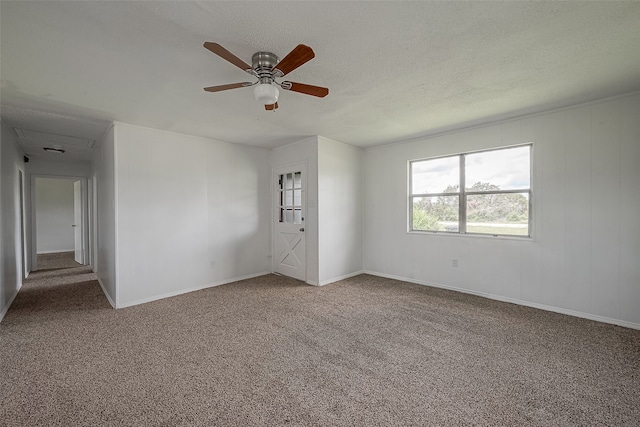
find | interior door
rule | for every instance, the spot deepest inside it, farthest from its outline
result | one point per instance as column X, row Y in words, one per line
column 289, row 246
column 77, row 222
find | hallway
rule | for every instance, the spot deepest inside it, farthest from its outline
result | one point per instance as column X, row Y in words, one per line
column 58, row 286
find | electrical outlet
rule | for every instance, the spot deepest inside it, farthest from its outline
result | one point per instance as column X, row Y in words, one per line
column 454, row 262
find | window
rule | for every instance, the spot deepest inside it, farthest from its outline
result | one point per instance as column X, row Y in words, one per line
column 290, row 197
column 486, row 192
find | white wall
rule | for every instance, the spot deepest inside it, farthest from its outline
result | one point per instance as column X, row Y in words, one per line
column 305, row 151
column 54, row 215
column 105, row 243
column 339, row 210
column 333, row 218
column 190, row 213
column 583, row 259
column 58, row 168
column 11, row 162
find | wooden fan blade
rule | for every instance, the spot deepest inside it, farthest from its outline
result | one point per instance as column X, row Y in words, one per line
column 225, row 54
column 226, row 87
column 318, row 91
column 271, row 107
column 298, row 56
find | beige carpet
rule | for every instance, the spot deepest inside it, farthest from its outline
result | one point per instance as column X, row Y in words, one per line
column 270, row 351
column 57, row 260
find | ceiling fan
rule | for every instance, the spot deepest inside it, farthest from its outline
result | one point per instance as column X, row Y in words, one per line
column 267, row 67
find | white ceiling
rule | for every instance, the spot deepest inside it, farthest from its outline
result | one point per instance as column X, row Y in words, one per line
column 395, row 70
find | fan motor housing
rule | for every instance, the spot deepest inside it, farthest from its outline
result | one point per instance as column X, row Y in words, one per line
column 263, row 63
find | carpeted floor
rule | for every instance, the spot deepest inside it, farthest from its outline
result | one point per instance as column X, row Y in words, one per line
column 366, row 351
column 57, row 260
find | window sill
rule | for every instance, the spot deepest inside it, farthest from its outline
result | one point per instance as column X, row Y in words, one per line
column 473, row 235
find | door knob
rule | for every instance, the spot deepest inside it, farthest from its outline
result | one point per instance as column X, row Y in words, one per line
column 302, row 229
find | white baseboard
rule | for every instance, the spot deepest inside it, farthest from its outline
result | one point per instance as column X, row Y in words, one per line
column 56, row 252
column 8, row 305
column 185, row 291
column 545, row 307
column 337, row 279
column 106, row 294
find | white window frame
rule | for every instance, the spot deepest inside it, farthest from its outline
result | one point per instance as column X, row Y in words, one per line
column 463, row 193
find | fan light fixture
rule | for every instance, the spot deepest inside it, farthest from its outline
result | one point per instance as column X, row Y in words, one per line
column 266, row 93
column 267, row 67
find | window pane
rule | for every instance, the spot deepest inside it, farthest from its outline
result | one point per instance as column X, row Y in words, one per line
column 506, row 169
column 297, row 216
column 297, row 179
column 288, row 216
column 288, row 198
column 436, row 176
column 498, row 214
column 297, row 197
column 289, row 181
column 438, row 213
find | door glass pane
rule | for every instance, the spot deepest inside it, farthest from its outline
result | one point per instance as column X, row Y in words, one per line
column 436, row 213
column 290, row 198
column 506, row 169
column 436, row 176
column 498, row 214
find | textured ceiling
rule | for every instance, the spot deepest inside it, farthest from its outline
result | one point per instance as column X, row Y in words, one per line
column 395, row 70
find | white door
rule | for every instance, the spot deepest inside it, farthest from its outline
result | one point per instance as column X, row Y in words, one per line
column 289, row 242
column 77, row 222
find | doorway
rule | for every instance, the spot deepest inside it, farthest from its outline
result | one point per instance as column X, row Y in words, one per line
column 289, row 243
column 59, row 221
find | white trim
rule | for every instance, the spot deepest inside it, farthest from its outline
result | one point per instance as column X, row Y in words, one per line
column 113, row 209
column 545, row 307
column 55, row 252
column 106, row 294
column 337, row 279
column 185, row 291
column 8, row 306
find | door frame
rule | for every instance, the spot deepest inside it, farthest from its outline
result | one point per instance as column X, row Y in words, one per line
column 302, row 166
column 86, row 237
column 79, row 248
column 24, row 265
